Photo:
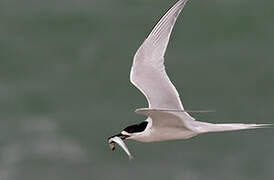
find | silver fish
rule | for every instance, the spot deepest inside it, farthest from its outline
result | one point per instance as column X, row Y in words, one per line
column 121, row 143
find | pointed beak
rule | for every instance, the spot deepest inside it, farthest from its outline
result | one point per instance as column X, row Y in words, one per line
column 123, row 137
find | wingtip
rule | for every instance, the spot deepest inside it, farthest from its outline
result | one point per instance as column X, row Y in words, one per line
column 264, row 125
column 182, row 2
column 131, row 158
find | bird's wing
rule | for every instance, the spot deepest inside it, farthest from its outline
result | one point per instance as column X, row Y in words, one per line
column 148, row 71
column 166, row 119
column 181, row 115
column 145, row 110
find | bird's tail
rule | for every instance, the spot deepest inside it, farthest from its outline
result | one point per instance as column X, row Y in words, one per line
column 204, row 127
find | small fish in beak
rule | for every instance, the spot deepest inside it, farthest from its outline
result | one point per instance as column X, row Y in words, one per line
column 111, row 145
column 119, row 140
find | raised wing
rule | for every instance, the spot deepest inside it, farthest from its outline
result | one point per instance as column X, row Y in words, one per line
column 143, row 111
column 148, row 71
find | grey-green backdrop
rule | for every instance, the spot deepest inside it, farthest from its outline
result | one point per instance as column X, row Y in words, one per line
column 64, row 88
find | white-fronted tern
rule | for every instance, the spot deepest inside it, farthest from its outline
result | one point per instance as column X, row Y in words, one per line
column 166, row 117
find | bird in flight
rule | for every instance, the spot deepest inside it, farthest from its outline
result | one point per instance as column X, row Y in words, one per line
column 166, row 117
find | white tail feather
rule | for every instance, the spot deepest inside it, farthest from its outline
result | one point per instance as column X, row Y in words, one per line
column 203, row 127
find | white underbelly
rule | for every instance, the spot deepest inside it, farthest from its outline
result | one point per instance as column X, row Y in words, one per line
column 165, row 134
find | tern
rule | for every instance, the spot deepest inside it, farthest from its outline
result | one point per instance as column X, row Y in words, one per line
column 166, row 117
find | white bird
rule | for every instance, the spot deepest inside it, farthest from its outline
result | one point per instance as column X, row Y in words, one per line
column 166, row 117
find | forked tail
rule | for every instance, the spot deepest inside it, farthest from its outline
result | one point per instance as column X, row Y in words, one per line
column 204, row 127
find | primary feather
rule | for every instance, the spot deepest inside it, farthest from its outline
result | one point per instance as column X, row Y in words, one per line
column 148, row 71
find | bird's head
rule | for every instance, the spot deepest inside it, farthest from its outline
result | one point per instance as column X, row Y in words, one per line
column 132, row 131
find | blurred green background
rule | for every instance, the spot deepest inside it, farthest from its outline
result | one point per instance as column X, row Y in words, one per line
column 64, row 88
